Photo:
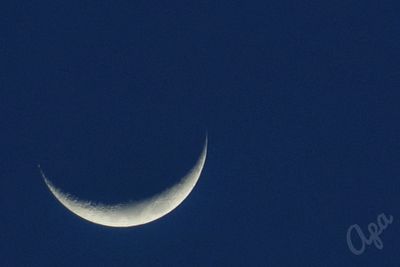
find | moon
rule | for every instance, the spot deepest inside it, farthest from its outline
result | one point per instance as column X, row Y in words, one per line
column 132, row 213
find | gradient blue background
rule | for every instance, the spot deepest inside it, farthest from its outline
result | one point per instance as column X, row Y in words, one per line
column 113, row 98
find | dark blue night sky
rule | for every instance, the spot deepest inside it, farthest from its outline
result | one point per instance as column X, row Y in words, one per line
column 300, row 100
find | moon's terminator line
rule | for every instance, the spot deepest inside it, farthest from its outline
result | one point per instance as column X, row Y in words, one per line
column 132, row 213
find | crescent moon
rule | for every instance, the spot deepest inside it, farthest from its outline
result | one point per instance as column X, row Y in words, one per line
column 132, row 213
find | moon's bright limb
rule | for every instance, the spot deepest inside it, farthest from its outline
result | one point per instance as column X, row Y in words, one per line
column 132, row 213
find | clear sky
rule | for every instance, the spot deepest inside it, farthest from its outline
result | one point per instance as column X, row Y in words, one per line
column 300, row 100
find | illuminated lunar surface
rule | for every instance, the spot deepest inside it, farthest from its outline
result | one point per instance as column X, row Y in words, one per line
column 137, row 212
